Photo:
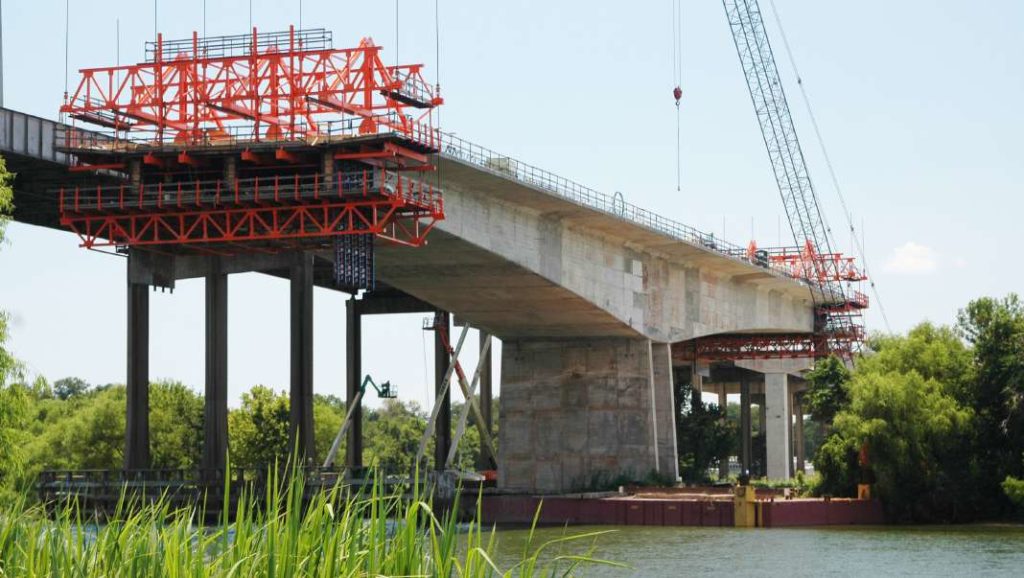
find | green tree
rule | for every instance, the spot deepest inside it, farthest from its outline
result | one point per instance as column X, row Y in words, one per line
column 176, row 425
column 6, row 198
column 995, row 329
column 258, row 430
column 1014, row 489
column 13, row 418
column 13, row 398
column 69, row 387
column 827, row 389
column 328, row 412
column 704, row 436
column 904, row 410
column 89, row 435
column 393, row 435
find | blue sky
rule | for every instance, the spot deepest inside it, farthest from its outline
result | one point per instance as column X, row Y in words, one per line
column 919, row 103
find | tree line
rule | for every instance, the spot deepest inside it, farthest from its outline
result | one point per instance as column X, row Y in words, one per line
column 72, row 425
column 934, row 418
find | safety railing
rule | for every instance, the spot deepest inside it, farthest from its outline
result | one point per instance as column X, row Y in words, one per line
column 349, row 185
column 75, row 139
column 460, row 149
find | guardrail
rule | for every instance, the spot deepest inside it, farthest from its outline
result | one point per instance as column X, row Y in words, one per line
column 347, row 185
column 131, row 138
column 465, row 151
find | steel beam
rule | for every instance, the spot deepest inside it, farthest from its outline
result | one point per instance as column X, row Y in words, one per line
column 353, row 381
column 486, row 394
column 443, row 426
column 136, row 446
column 215, row 422
column 301, row 413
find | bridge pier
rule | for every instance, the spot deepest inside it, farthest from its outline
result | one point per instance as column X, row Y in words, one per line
column 575, row 412
column 301, row 411
column 486, row 395
column 798, row 431
column 215, row 416
column 353, row 380
column 746, row 433
column 723, row 405
column 778, row 425
column 136, row 444
column 443, row 426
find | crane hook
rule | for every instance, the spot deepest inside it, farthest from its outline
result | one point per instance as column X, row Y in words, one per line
column 678, row 94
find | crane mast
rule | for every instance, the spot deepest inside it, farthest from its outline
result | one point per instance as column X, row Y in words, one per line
column 837, row 321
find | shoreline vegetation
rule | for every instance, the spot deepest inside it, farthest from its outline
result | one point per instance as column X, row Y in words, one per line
column 283, row 533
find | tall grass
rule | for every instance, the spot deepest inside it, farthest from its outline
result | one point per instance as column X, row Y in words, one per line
column 328, row 534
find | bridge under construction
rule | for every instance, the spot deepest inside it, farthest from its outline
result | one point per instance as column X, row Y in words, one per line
column 282, row 154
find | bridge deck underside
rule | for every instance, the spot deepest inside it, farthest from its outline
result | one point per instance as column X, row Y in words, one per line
column 491, row 293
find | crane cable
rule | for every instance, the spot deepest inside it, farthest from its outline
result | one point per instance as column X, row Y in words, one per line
column 858, row 241
column 677, row 79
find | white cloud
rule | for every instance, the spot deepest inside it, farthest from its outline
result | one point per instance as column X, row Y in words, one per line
column 912, row 259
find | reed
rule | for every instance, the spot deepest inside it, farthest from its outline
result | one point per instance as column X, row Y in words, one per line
column 328, row 534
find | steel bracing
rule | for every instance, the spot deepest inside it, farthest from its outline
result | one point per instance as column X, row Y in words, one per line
column 221, row 215
column 257, row 87
column 259, row 141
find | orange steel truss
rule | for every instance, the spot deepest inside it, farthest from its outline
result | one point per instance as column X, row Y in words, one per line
column 806, row 263
column 262, row 141
column 216, row 213
column 768, row 346
column 268, row 90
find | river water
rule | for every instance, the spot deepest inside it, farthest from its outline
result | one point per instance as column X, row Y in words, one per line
column 983, row 550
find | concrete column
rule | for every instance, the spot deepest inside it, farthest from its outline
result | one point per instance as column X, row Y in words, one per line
column 667, row 451
column 574, row 411
column 215, row 416
column 798, row 431
column 301, row 413
column 745, row 426
column 443, row 427
column 353, row 379
column 486, row 395
column 776, row 387
column 136, row 443
column 723, row 403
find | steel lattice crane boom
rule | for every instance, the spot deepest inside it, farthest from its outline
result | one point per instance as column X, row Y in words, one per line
column 838, row 320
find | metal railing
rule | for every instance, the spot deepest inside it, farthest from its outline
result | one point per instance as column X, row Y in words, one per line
column 72, row 138
column 348, row 185
column 462, row 150
column 240, row 44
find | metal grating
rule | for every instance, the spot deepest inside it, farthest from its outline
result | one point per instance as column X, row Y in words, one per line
column 354, row 262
